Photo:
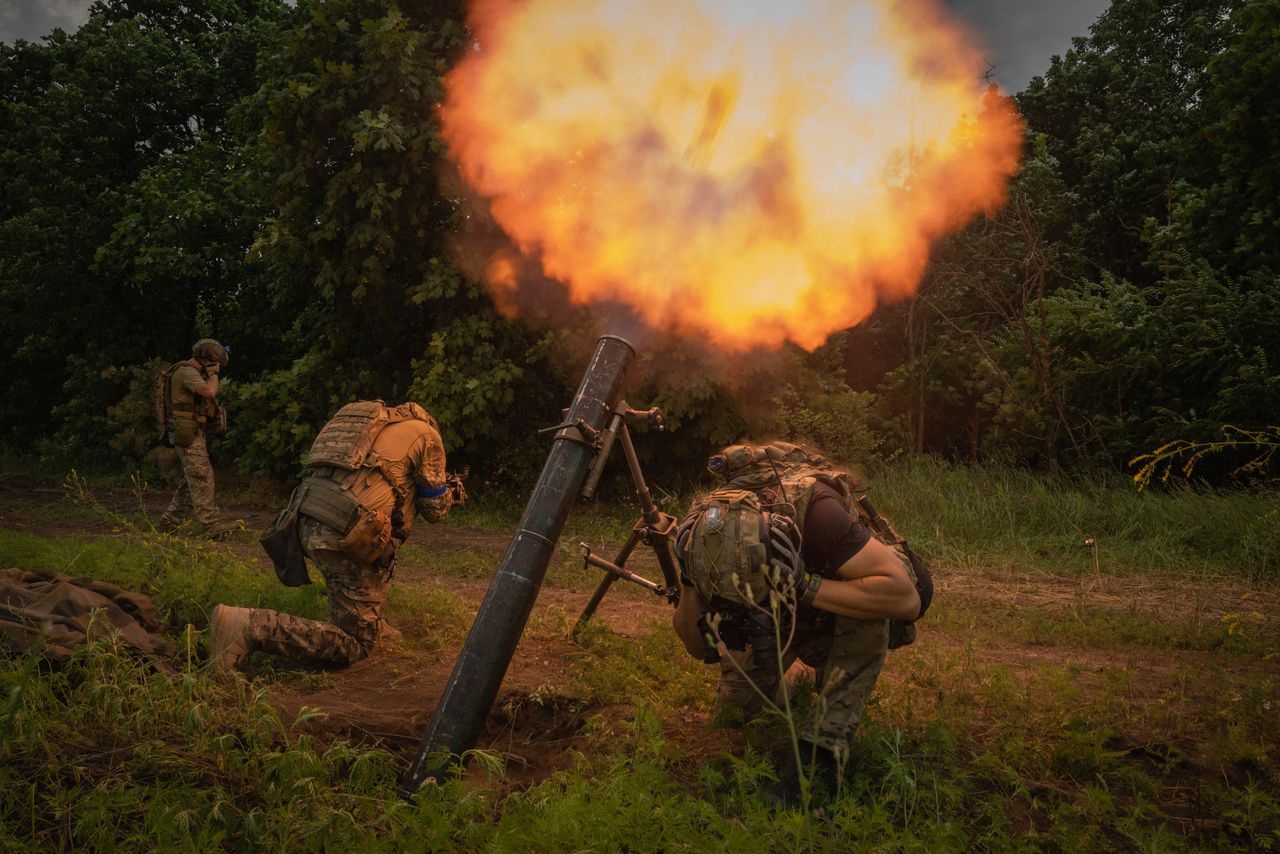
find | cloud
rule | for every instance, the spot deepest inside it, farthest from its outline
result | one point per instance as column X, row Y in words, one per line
column 32, row 19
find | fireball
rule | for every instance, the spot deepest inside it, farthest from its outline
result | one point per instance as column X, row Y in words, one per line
column 746, row 173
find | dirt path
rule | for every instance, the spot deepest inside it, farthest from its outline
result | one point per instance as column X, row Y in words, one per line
column 389, row 697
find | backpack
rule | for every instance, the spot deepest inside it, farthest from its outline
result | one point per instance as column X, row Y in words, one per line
column 739, row 539
column 160, row 396
column 732, row 537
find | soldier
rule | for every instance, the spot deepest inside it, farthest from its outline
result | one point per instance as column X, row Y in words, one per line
column 192, row 414
column 374, row 468
column 841, row 588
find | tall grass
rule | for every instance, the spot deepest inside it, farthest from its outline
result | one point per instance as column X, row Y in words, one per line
column 957, row 751
column 1003, row 518
column 107, row 754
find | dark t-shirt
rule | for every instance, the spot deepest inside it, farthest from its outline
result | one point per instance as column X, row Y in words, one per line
column 831, row 534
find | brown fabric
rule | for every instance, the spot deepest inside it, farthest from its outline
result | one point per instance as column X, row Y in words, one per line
column 65, row 608
column 411, row 454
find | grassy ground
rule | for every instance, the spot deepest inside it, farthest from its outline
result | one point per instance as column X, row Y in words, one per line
column 1060, row 698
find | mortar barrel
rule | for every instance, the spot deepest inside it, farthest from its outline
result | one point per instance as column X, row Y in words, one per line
column 491, row 643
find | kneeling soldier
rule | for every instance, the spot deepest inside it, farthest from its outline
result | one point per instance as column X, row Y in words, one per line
column 374, row 468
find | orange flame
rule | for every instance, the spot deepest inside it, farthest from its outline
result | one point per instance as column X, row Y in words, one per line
column 748, row 173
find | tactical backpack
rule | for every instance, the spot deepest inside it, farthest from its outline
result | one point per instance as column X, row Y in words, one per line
column 738, row 542
column 160, row 396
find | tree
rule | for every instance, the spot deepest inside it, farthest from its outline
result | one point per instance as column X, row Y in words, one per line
column 359, row 246
column 114, row 224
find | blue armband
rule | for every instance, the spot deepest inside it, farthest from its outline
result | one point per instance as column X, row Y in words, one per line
column 432, row 492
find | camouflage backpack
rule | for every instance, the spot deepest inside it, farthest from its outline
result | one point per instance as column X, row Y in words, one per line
column 736, row 539
column 160, row 396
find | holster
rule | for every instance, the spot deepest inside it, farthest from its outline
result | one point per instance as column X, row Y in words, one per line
column 283, row 544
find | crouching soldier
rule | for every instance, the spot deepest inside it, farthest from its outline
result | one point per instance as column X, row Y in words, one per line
column 374, row 469
column 787, row 561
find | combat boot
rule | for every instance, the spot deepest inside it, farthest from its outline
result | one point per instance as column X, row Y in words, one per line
column 388, row 632
column 820, row 767
column 229, row 636
column 221, row 528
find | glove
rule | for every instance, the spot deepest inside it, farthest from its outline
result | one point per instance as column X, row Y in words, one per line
column 803, row 582
column 457, row 491
column 212, row 369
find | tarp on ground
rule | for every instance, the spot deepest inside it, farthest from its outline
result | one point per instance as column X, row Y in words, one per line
column 70, row 610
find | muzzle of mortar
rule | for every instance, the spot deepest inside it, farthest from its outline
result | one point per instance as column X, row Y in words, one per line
column 485, row 656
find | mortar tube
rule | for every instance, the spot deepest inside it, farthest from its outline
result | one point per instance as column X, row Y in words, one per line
column 485, row 656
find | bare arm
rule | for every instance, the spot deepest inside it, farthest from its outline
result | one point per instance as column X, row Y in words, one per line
column 209, row 388
column 685, row 620
column 872, row 585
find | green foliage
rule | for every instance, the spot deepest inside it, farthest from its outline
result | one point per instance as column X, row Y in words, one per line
column 358, row 248
column 1124, row 298
column 820, row 409
column 957, row 749
column 115, row 222
column 117, row 754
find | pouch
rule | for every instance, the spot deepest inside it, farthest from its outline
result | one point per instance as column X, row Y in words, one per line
column 368, row 538
column 282, row 542
column 182, row 432
column 216, row 421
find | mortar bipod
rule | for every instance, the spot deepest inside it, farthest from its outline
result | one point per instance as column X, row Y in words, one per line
column 654, row 528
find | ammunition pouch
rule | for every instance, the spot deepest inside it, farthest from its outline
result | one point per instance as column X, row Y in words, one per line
column 283, row 544
column 366, row 534
column 183, row 428
column 901, row 633
column 369, row 539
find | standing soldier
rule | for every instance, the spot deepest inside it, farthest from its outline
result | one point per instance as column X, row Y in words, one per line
column 192, row 414
column 374, row 468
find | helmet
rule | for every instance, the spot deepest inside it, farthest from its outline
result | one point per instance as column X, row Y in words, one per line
column 208, row 350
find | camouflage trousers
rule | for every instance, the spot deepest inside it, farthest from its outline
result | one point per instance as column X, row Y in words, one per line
column 193, row 499
column 357, row 594
column 846, row 654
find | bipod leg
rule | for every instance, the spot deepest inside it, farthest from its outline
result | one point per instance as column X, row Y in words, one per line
column 605, row 583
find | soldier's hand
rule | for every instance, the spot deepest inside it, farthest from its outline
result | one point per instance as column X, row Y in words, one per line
column 457, row 491
column 796, row 579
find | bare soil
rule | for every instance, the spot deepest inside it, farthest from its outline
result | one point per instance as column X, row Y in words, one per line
column 537, row 722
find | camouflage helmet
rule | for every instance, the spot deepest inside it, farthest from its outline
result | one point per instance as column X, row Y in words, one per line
column 208, row 350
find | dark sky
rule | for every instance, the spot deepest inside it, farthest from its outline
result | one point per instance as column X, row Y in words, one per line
column 1020, row 35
